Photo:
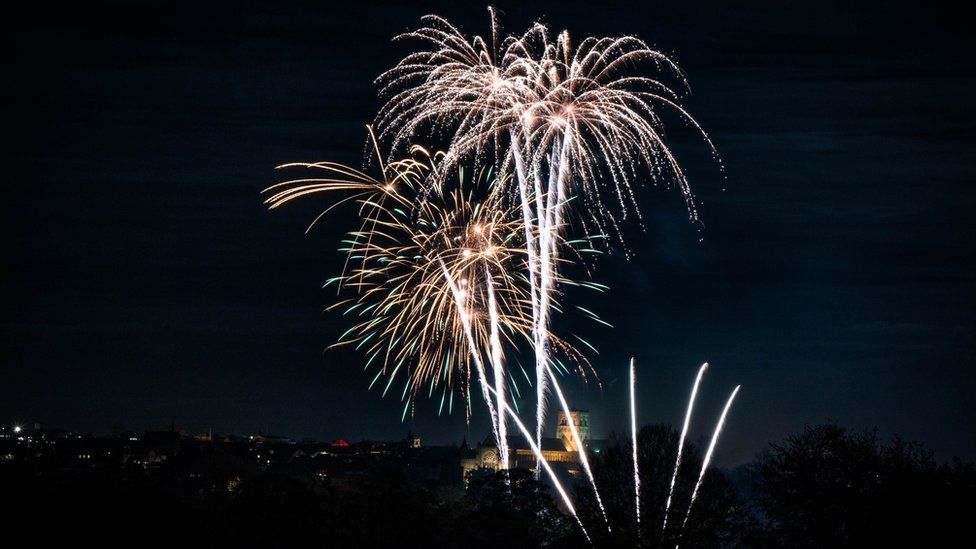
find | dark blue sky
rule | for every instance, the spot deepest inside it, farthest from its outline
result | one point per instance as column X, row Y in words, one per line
column 144, row 283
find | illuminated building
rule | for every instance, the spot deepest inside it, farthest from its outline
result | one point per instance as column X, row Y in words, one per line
column 413, row 441
column 559, row 451
column 580, row 418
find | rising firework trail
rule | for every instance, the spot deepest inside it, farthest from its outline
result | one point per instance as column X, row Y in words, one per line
column 635, row 454
column 681, row 442
column 497, row 361
column 465, row 317
column 580, row 449
column 545, row 465
column 708, row 454
column 633, row 441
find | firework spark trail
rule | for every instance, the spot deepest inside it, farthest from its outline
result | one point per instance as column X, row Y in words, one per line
column 548, row 221
column 633, row 441
column 541, row 354
column 681, row 442
column 482, row 379
column 708, row 454
column 532, row 254
column 545, row 465
column 497, row 368
column 578, row 441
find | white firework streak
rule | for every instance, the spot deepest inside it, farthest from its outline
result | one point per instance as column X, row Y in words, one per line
column 584, row 461
column 708, row 454
column 533, row 260
column 545, row 465
column 497, row 367
column 548, row 219
column 548, row 225
column 482, row 379
column 681, row 442
column 633, row 441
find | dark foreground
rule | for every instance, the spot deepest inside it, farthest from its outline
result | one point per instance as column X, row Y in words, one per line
column 823, row 487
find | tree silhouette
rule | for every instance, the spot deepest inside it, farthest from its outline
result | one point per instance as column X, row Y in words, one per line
column 717, row 519
column 831, row 487
column 510, row 509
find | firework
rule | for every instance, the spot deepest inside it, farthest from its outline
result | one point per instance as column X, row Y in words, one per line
column 446, row 275
column 681, row 441
column 544, row 463
column 709, row 452
column 633, row 441
column 565, row 120
column 433, row 278
column 418, row 269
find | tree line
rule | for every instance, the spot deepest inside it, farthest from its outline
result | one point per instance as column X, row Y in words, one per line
column 823, row 487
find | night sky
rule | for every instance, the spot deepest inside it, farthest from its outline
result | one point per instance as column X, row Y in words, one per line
column 145, row 284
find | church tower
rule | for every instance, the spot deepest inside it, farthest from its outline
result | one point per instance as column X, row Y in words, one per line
column 580, row 418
